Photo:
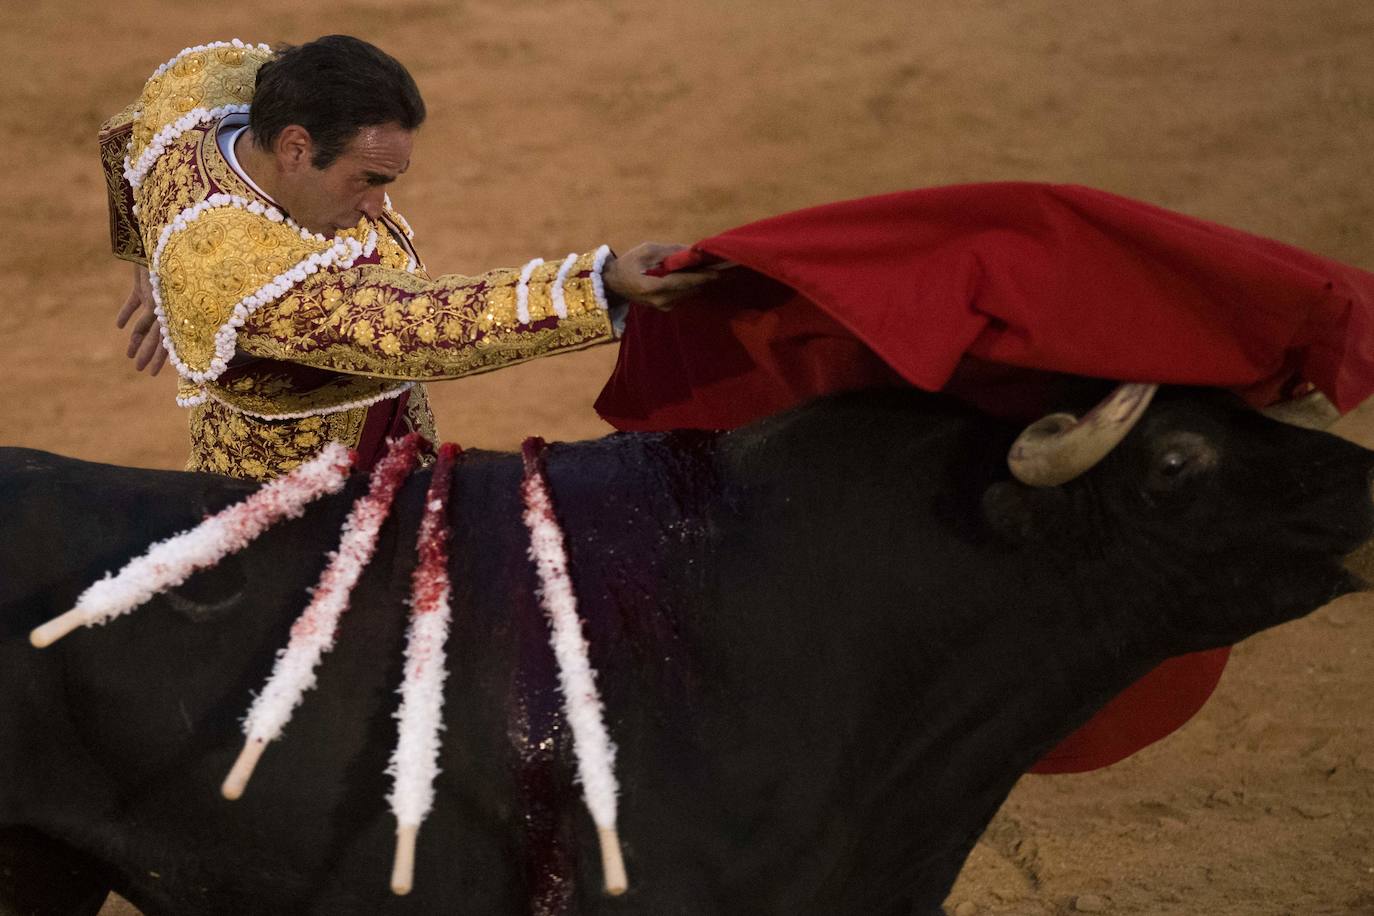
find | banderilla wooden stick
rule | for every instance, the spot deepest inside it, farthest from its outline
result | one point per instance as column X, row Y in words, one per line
column 612, row 862
column 242, row 771
column 55, row 629
column 403, row 864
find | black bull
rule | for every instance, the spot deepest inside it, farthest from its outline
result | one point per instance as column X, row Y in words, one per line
column 828, row 645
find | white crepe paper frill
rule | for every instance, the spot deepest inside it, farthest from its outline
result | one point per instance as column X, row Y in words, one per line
column 170, row 562
column 313, row 632
column 415, row 762
column 581, row 701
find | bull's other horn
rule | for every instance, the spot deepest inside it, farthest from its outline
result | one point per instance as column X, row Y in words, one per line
column 1057, row 448
column 1311, row 411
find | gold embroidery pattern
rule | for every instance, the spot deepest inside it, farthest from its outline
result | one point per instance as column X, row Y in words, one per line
column 187, row 389
column 419, row 416
column 268, row 388
column 401, row 222
column 173, row 184
column 208, row 267
column 204, row 79
column 224, row 441
column 407, row 237
column 373, row 321
column 392, row 255
column 120, row 121
column 125, row 241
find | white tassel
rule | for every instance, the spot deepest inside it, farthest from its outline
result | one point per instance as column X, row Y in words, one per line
column 560, row 302
column 598, row 283
column 522, row 291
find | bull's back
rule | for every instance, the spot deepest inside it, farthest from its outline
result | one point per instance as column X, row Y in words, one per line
column 117, row 738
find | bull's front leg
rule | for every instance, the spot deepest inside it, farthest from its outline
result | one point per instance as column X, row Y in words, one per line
column 42, row 877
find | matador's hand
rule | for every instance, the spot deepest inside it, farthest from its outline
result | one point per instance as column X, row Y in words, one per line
column 624, row 277
column 145, row 341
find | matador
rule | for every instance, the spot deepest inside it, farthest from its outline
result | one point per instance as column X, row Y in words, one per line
column 287, row 290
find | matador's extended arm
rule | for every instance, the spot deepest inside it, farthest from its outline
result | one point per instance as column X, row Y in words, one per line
column 374, row 321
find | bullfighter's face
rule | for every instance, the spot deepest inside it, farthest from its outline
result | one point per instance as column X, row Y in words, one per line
column 351, row 187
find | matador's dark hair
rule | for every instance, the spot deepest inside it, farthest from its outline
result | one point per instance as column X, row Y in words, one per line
column 333, row 87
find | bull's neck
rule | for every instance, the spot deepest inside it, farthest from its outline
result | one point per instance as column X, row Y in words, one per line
column 633, row 508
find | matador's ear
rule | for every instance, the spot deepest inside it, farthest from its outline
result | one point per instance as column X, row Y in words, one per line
column 293, row 148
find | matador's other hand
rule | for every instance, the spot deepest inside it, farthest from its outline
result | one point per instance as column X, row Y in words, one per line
column 624, row 276
column 145, row 340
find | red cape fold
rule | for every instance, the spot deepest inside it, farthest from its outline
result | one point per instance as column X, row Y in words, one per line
column 987, row 291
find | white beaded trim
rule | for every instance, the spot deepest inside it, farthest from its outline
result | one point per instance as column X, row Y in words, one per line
column 135, row 173
column 341, row 254
column 598, row 286
column 401, row 220
column 522, row 291
column 322, row 412
column 560, row 302
column 200, row 397
column 214, row 45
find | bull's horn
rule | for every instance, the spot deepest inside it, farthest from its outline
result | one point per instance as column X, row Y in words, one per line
column 1311, row 411
column 1057, row 448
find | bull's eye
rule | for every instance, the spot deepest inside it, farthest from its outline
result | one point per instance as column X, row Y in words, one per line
column 1181, row 459
column 1173, row 463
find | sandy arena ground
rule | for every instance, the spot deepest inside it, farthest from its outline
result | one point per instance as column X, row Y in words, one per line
column 556, row 126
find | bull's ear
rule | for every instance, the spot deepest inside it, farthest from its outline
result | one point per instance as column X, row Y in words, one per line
column 218, row 495
column 1006, row 507
column 213, row 593
column 210, row 594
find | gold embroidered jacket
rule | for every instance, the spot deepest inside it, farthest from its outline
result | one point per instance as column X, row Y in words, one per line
column 285, row 339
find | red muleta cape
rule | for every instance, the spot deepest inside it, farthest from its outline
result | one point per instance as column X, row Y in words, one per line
column 987, row 291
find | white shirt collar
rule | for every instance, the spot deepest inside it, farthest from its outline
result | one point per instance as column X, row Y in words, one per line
column 228, row 132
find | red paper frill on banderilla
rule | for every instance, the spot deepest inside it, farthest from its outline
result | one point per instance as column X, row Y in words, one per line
column 988, row 292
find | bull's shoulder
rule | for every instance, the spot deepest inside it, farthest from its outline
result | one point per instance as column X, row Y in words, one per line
column 35, row 481
column 17, row 460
